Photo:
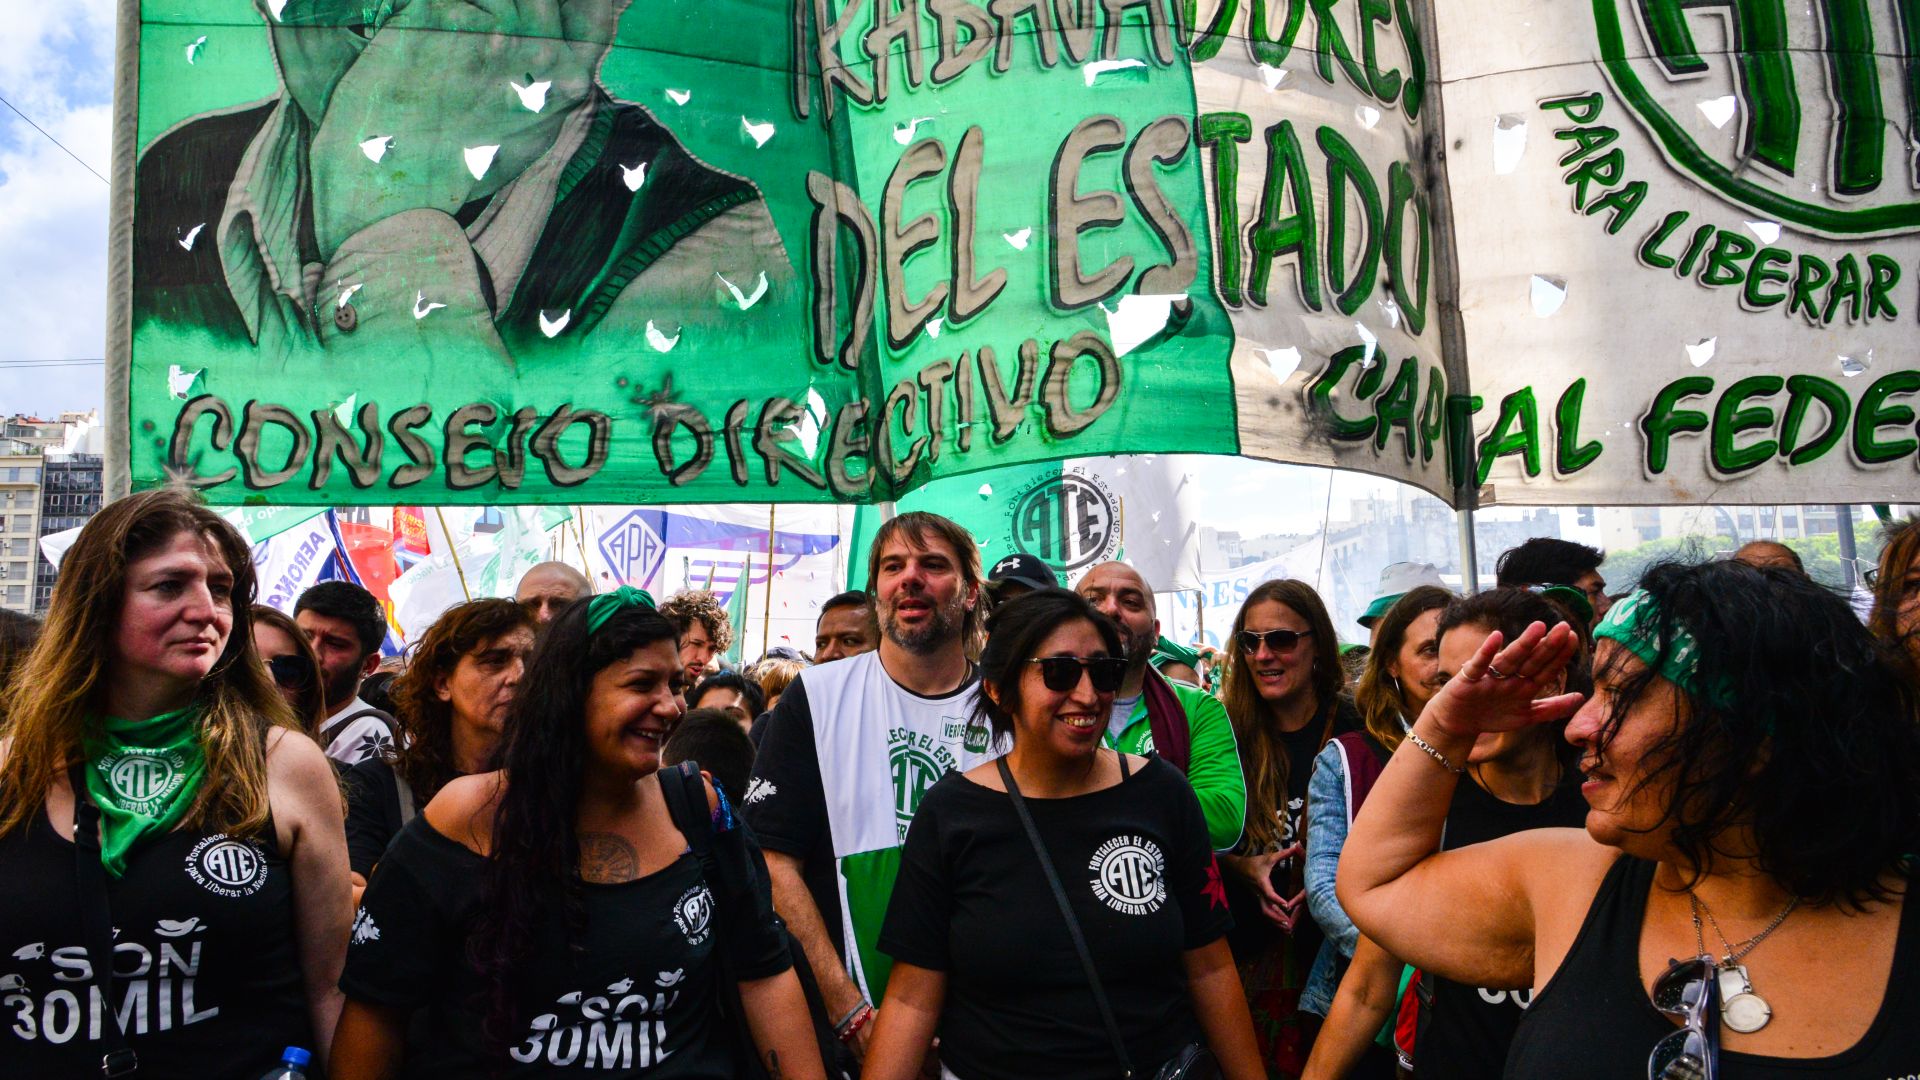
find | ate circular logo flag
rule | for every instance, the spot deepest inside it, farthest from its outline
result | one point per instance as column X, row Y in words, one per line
column 1129, row 875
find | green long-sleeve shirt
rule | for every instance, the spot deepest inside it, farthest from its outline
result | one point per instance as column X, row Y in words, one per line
column 1213, row 764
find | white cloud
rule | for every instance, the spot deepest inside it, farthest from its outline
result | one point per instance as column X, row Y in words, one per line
column 55, row 65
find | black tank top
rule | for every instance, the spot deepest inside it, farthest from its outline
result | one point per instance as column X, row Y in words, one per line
column 1593, row 1021
column 1465, row 1030
column 206, row 973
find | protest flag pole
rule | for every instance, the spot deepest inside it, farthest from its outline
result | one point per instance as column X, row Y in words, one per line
column 580, row 534
column 766, row 609
column 453, row 549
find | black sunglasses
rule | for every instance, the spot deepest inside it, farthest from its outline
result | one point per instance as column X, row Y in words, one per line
column 293, row 671
column 1277, row 640
column 1062, row 673
column 1689, row 989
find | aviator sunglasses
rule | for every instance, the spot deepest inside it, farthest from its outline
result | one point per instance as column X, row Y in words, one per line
column 1062, row 673
column 293, row 671
column 1689, row 989
column 1277, row 640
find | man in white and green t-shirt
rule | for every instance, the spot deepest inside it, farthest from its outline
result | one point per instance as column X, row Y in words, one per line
column 852, row 747
column 1195, row 722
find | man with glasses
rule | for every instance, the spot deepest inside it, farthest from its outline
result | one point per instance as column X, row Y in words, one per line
column 854, row 745
column 1186, row 726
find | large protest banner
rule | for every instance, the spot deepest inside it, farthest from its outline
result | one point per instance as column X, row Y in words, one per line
column 834, row 250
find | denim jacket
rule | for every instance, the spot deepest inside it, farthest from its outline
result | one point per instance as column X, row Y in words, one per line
column 1326, row 835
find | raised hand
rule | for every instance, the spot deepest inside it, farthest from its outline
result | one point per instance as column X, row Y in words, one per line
column 1497, row 689
column 446, row 96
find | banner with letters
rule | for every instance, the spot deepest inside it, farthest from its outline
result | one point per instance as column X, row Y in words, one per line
column 834, row 251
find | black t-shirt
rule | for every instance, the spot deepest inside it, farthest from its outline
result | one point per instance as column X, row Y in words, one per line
column 1466, row 1030
column 787, row 763
column 973, row 902
column 206, row 963
column 634, row 996
column 373, row 812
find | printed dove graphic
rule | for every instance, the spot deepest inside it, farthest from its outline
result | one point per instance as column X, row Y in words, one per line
column 534, row 94
column 620, row 987
column 745, row 301
column 12, row 982
column 187, row 238
column 669, row 978
column 660, row 341
column 171, row 928
column 31, row 952
column 759, row 133
column 544, row 1022
column 572, row 998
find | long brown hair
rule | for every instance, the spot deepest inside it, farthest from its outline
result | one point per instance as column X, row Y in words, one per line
column 1263, row 757
column 1381, row 696
column 424, row 758
column 60, row 690
column 311, row 712
column 1889, row 589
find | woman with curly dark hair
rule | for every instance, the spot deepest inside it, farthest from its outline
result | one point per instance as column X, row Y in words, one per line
column 551, row 917
column 451, row 703
column 1752, row 763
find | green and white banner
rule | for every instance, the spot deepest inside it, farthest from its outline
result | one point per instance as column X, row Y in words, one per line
column 498, row 251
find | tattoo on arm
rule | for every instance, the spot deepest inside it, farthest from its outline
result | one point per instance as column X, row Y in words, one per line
column 607, row 859
column 773, row 1065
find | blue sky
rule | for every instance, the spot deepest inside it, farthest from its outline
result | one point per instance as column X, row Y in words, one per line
column 56, row 65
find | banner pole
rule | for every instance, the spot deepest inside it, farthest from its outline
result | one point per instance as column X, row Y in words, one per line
column 453, row 549
column 1469, row 552
column 580, row 534
column 766, row 609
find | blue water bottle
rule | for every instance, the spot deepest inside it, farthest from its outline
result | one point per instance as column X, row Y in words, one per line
column 293, row 1065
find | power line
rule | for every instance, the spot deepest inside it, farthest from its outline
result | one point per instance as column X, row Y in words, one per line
column 51, row 139
column 18, row 365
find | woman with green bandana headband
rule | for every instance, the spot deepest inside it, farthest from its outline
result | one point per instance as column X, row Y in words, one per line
column 206, row 833
column 1752, row 765
column 560, row 914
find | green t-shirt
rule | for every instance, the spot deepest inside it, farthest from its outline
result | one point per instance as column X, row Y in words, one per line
column 1213, row 764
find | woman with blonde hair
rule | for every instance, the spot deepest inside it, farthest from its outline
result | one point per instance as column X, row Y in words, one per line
column 173, row 886
column 1284, row 693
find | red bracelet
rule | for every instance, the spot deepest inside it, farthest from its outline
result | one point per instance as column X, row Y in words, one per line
column 854, row 1025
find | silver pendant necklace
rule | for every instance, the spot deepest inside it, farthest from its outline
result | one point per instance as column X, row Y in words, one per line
column 1741, row 1009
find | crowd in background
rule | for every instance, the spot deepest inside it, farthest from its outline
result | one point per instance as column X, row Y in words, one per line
column 987, row 827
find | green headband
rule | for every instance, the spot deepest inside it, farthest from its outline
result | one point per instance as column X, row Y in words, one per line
column 1634, row 623
column 607, row 605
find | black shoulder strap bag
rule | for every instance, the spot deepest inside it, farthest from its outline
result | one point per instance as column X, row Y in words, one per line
column 1193, row 1061
column 96, row 924
column 730, row 874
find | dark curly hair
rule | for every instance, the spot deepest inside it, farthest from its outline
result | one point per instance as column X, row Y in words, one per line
column 533, row 868
column 424, row 756
column 1015, row 630
column 689, row 605
column 1803, row 731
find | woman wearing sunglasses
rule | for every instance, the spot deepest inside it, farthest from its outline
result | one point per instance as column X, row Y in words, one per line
column 452, row 702
column 1283, row 692
column 987, row 934
column 291, row 661
column 1752, row 762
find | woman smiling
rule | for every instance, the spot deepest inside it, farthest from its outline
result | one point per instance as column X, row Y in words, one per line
column 1058, row 912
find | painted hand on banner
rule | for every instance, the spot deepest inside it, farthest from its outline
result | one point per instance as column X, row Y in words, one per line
column 454, row 87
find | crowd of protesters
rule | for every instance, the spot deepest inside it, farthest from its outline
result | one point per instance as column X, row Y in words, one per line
column 988, row 827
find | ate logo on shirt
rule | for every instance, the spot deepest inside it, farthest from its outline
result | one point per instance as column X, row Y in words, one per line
column 142, row 780
column 693, row 914
column 918, row 761
column 227, row 866
column 1129, row 875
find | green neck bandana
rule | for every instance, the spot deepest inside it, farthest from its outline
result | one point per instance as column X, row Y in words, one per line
column 1635, row 623
column 143, row 775
column 1167, row 652
column 607, row 605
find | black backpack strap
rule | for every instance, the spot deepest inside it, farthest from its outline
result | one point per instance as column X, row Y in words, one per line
column 1066, row 912
column 96, row 924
